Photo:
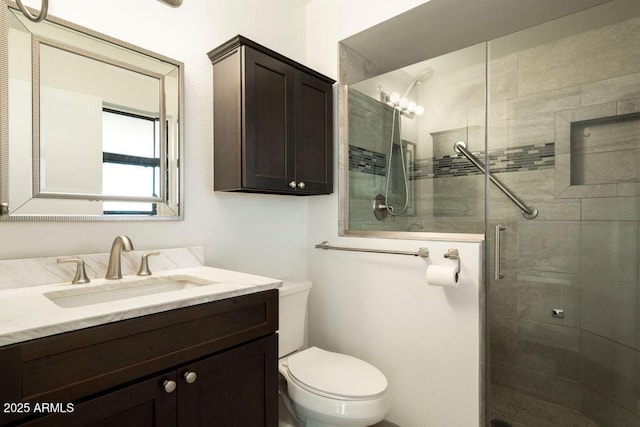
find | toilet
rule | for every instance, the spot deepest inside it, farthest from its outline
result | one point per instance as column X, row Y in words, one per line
column 319, row 388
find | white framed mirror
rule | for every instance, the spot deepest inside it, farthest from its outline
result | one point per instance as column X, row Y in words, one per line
column 90, row 126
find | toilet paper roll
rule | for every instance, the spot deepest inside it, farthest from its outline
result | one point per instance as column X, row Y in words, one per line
column 442, row 275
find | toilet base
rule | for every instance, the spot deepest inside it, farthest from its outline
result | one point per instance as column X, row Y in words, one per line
column 285, row 417
column 314, row 423
column 311, row 423
column 292, row 415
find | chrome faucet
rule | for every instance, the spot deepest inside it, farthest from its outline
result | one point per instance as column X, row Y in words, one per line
column 120, row 244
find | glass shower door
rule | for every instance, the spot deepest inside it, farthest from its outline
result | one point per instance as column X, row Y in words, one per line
column 564, row 135
column 404, row 172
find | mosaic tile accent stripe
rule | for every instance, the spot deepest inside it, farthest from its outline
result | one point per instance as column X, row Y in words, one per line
column 526, row 157
column 367, row 161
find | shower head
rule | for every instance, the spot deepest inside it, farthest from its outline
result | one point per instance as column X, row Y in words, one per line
column 423, row 75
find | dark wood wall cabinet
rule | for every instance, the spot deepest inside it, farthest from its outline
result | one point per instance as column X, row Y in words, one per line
column 273, row 122
column 206, row 365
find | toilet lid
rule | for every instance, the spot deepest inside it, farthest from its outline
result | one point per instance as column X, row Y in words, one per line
column 336, row 374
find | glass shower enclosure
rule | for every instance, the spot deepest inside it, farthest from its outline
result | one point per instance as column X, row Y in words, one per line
column 552, row 115
column 564, row 98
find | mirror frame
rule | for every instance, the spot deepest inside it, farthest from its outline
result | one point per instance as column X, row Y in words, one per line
column 37, row 193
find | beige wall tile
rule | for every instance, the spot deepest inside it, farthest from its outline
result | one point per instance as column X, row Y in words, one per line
column 609, row 251
column 611, row 209
column 609, row 309
column 549, row 246
column 538, row 292
column 585, row 57
column 548, row 348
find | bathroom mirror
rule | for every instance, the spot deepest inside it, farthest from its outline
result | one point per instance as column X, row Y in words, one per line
column 90, row 125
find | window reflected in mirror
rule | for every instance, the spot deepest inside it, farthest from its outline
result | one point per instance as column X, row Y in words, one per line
column 131, row 160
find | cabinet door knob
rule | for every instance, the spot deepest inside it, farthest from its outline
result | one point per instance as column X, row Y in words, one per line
column 190, row 377
column 301, row 185
column 169, row 386
column 292, row 184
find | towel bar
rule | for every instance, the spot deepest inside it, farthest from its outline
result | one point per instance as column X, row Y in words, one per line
column 422, row 252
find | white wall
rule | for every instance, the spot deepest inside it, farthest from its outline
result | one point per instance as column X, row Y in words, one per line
column 425, row 339
column 253, row 233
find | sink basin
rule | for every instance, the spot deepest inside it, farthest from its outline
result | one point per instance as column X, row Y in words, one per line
column 109, row 292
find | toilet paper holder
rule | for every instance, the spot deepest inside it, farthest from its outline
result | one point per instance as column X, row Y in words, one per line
column 453, row 254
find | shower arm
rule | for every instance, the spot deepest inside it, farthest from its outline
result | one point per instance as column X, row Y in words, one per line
column 527, row 211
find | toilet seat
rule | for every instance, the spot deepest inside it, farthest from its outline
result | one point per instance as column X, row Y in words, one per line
column 335, row 375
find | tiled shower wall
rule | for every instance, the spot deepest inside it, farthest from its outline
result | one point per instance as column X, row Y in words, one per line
column 581, row 93
column 369, row 139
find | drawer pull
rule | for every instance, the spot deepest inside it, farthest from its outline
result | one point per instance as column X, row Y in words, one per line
column 293, row 184
column 301, row 185
column 190, row 377
column 169, row 386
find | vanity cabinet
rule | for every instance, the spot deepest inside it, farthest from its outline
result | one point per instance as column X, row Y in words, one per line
column 273, row 122
column 142, row 404
column 211, row 364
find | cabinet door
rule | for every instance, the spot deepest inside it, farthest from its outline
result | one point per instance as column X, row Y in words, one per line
column 268, row 127
column 236, row 388
column 144, row 404
column 314, row 134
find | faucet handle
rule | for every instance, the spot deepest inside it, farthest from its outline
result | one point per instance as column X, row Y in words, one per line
column 81, row 274
column 144, row 264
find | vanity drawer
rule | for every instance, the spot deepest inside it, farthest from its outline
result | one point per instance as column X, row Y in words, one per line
column 73, row 365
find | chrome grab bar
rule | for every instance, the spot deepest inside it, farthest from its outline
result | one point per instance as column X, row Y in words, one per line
column 497, row 253
column 422, row 252
column 527, row 211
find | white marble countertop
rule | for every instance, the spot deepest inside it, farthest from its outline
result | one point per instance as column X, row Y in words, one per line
column 26, row 313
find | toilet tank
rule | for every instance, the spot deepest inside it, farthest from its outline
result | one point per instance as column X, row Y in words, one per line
column 292, row 316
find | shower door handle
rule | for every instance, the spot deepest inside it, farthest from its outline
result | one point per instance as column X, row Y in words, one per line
column 497, row 252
